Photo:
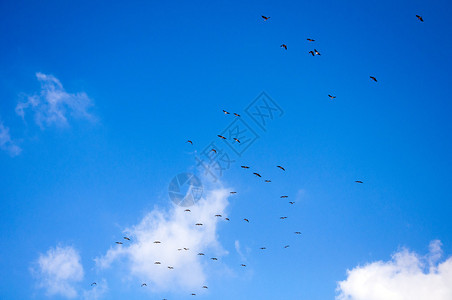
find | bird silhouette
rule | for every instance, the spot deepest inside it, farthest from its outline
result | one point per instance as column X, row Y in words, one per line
column 187, row 210
column 143, row 284
column 243, row 265
column 310, row 40
column 283, row 218
column 265, row 18
column 236, row 114
column 419, row 18
column 157, row 263
column 221, row 137
column 93, row 283
column 316, row 52
column 227, row 219
column 291, row 202
column 204, row 287
column 281, row 168
column 245, row 167
column 284, row 197
column 198, row 224
column 214, row 258
column 157, row 242
column 126, row 238
column 119, row 243
column 237, row 140
column 331, row 97
column 284, row 46
column 257, row 174
column 358, row 181
column 268, row 180
column 226, row 112
column 312, row 52
column 246, row 220
column 200, row 253
column 189, row 142
column 373, row 78
column 218, row 216
column 297, row 232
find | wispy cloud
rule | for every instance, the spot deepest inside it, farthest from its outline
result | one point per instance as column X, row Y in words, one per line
column 6, row 143
column 175, row 229
column 53, row 105
column 58, row 271
column 406, row 276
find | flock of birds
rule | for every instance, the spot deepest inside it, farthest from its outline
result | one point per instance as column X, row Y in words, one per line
column 284, row 46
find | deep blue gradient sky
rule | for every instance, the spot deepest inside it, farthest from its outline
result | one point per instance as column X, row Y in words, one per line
column 160, row 73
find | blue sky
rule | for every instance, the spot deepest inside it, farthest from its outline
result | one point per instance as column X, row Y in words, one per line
column 137, row 79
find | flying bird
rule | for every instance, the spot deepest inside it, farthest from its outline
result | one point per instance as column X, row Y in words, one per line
column 204, row 287
column 218, row 216
column 186, row 249
column 297, row 232
column 221, row 137
column 215, row 151
column 286, row 246
column 214, row 258
column 233, row 192
column 331, row 97
column 245, row 167
column 243, row 265
column 373, row 78
column 180, row 249
column 282, row 218
column 190, row 142
column 268, row 180
column 237, row 140
column 236, row 114
column 291, row 202
column 316, row 52
column 93, row 283
column 265, row 18
column 200, row 253
column 284, row 197
column 157, row 242
column 171, row 268
column 227, row 219
column 198, row 224
column 263, row 248
column 419, row 18
column 119, row 243
column 310, row 40
column 144, row 284
column 284, row 46
column 312, row 52
column 246, row 220
column 157, row 263
column 126, row 238
column 257, row 174
column 226, row 112
column 358, row 181
column 193, row 294
column 187, row 210
column 281, row 168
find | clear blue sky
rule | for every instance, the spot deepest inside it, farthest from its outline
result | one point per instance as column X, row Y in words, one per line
column 159, row 73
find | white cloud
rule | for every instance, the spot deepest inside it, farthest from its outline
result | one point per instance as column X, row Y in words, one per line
column 58, row 270
column 53, row 104
column 407, row 276
column 175, row 229
column 6, row 143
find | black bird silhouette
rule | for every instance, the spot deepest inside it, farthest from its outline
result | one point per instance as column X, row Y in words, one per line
column 157, row 242
column 316, row 52
column 225, row 112
column 331, row 97
column 193, row 294
column 420, row 18
column 284, row 46
column 373, row 78
column 119, row 243
column 221, row 137
column 358, row 181
column 246, row 220
column 286, row 246
column 187, row 210
column 204, row 287
column 236, row 114
column 233, row 192
column 93, row 283
column 243, row 265
column 200, row 253
column 257, row 174
column 268, row 180
column 186, row 249
column 297, row 232
column 126, row 238
column 218, row 216
column 237, row 140
column 198, row 224
column 171, row 268
column 265, row 18
column 291, row 202
column 157, row 263
column 215, row 151
column 284, row 196
column 144, row 284
column 263, row 248
column 312, row 52
column 310, row 40
column 245, row 167
column 214, row 258
column 190, row 142
column 227, row 219
column 281, row 168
